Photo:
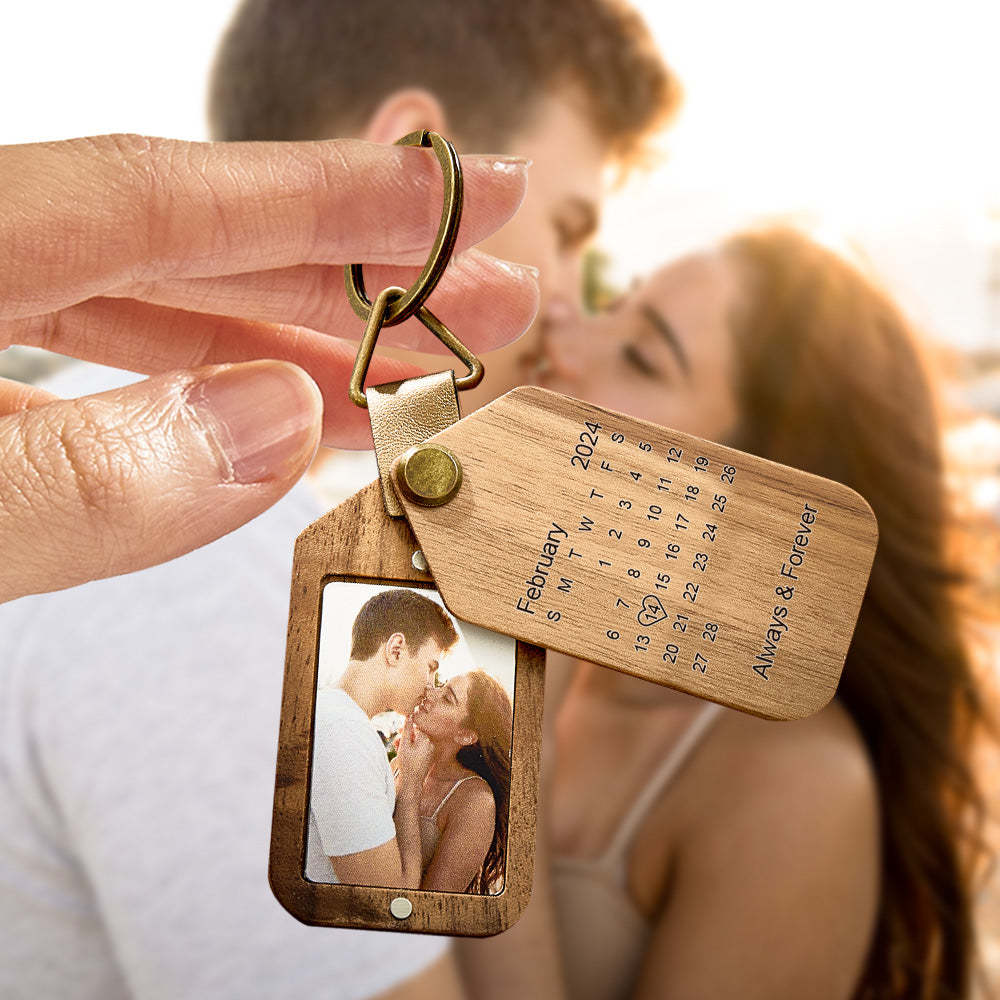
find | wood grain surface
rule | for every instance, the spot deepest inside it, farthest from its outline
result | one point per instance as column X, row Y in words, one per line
column 357, row 542
column 657, row 553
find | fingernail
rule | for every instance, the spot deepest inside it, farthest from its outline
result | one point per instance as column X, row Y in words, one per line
column 263, row 418
column 518, row 271
column 510, row 164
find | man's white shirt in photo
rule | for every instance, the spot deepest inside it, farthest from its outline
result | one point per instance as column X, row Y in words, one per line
column 352, row 796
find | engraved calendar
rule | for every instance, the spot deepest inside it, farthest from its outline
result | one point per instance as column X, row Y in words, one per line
column 666, row 556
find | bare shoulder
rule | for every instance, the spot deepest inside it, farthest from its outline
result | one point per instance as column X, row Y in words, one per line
column 767, row 784
column 472, row 798
column 822, row 757
column 774, row 873
column 791, row 794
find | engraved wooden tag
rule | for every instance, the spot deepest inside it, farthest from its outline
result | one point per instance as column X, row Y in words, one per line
column 357, row 543
column 654, row 552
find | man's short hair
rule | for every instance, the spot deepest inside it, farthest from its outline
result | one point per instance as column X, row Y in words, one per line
column 309, row 69
column 398, row 610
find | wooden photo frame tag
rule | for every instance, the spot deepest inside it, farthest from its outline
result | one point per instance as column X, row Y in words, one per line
column 668, row 557
column 357, row 543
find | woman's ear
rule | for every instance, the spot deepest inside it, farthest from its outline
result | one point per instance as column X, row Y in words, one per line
column 405, row 111
column 467, row 737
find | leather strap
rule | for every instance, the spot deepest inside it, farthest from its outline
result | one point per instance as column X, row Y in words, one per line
column 405, row 413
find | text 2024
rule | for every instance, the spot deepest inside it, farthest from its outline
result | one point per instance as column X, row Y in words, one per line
column 584, row 449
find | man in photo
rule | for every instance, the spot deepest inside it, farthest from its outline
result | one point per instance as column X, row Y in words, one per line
column 360, row 831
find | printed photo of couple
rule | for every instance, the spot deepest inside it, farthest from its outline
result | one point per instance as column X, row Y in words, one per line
column 410, row 776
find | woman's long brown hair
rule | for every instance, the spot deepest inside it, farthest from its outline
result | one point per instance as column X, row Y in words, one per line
column 829, row 379
column 491, row 717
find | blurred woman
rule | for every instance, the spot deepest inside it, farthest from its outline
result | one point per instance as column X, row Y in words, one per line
column 704, row 853
column 465, row 798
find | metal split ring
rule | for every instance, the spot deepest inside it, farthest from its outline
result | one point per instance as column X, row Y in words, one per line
column 394, row 304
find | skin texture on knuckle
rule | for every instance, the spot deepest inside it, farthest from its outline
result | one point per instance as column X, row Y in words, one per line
column 119, row 199
column 83, row 475
column 54, row 515
column 112, row 210
column 170, row 199
column 94, row 487
column 71, row 220
column 217, row 208
column 172, row 218
column 205, row 208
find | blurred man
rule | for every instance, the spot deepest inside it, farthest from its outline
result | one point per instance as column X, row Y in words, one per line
column 140, row 713
column 575, row 86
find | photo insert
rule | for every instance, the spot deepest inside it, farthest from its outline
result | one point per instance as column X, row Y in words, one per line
column 410, row 784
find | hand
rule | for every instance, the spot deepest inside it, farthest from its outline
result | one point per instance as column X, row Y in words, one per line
column 415, row 753
column 186, row 261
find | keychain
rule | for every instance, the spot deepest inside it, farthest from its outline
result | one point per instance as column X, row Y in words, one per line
column 539, row 521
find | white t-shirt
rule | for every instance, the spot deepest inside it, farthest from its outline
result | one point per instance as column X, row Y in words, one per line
column 352, row 795
column 138, row 737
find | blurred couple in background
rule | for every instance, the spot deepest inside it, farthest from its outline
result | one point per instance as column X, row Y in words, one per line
column 683, row 850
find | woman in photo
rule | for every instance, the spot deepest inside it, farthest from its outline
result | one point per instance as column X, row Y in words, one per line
column 465, row 799
column 700, row 852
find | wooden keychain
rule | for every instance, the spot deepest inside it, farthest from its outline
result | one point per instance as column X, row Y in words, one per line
column 359, row 570
column 543, row 522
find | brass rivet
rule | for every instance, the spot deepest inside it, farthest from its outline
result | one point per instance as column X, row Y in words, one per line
column 428, row 474
column 419, row 561
column 400, row 907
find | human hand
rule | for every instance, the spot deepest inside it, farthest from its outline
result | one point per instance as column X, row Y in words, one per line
column 415, row 753
column 186, row 261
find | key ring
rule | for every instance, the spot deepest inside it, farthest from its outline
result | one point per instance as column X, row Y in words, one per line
column 409, row 303
column 394, row 304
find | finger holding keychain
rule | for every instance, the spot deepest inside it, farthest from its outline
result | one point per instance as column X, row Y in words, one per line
column 186, row 261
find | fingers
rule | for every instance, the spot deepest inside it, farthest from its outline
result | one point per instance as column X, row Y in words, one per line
column 403, row 741
column 86, row 215
column 15, row 396
column 410, row 733
column 486, row 302
column 139, row 337
column 112, row 483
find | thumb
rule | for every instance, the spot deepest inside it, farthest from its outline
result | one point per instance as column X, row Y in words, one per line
column 112, row 483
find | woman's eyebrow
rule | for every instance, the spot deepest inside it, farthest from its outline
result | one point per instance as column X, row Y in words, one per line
column 665, row 330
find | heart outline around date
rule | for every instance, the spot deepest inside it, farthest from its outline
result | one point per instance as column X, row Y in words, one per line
column 652, row 611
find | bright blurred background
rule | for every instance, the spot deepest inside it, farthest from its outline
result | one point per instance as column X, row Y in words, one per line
column 872, row 122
